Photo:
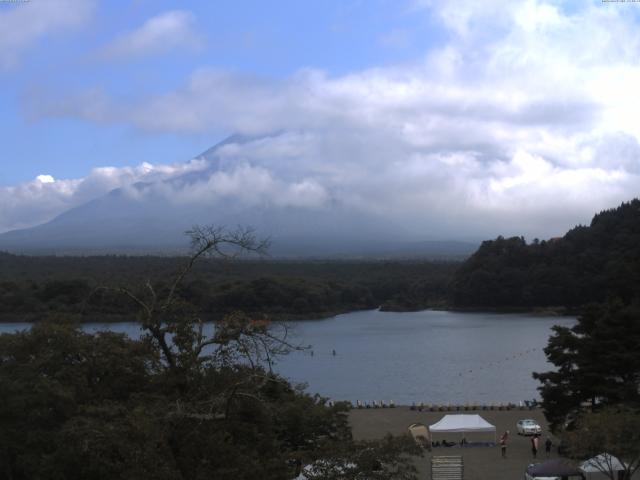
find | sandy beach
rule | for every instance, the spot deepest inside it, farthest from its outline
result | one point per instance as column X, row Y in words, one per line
column 480, row 463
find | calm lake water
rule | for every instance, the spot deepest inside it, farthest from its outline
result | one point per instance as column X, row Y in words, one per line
column 428, row 356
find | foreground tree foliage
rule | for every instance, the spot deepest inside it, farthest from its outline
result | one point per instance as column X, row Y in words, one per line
column 183, row 402
column 614, row 430
column 597, row 360
column 592, row 399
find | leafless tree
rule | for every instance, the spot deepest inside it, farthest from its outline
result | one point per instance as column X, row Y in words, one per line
column 178, row 331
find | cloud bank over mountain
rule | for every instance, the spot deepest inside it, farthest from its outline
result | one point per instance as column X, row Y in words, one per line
column 523, row 122
column 45, row 197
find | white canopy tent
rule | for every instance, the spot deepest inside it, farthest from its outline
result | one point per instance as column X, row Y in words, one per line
column 462, row 424
column 597, row 466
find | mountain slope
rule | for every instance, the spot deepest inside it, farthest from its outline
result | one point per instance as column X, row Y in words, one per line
column 151, row 218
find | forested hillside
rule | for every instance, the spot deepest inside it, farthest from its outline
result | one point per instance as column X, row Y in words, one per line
column 33, row 287
column 589, row 264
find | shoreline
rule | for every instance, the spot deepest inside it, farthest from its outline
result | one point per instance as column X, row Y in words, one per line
column 557, row 311
column 118, row 318
column 295, row 317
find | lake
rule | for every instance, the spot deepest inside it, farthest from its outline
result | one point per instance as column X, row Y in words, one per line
column 428, row 356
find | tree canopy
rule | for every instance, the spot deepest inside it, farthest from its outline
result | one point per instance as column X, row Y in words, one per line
column 33, row 287
column 589, row 264
column 180, row 403
column 597, row 360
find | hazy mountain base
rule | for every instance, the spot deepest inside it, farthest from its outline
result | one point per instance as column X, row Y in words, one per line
column 559, row 275
column 149, row 218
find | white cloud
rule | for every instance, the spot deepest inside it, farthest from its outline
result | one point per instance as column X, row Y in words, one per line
column 25, row 23
column 250, row 186
column 173, row 30
column 45, row 179
column 45, row 197
column 525, row 122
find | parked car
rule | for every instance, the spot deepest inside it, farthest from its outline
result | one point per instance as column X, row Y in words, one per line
column 528, row 427
column 529, row 477
column 556, row 469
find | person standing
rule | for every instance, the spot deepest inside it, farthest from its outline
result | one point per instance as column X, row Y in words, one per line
column 534, row 447
column 503, row 443
column 547, row 446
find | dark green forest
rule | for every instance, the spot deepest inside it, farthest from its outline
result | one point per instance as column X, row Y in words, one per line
column 589, row 264
column 31, row 287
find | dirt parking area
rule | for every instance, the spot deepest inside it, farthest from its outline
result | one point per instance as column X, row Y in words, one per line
column 481, row 462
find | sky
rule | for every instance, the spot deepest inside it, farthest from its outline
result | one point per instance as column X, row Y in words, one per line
column 453, row 119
